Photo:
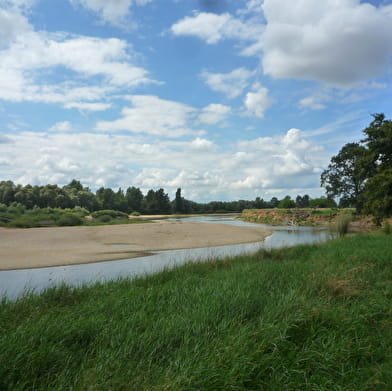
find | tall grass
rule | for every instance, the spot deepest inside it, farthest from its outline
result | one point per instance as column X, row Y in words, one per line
column 342, row 225
column 304, row 318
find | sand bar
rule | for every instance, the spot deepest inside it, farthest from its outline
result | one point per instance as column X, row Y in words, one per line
column 55, row 246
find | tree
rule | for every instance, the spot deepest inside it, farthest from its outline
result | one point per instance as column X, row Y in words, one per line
column 287, row 203
column 179, row 202
column 134, row 198
column 322, row 202
column 346, row 174
column 379, row 142
column 274, row 202
column 378, row 195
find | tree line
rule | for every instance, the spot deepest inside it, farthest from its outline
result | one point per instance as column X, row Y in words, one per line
column 360, row 175
column 132, row 200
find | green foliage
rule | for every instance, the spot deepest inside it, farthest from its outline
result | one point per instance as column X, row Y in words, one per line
column 104, row 218
column 345, row 177
column 378, row 195
column 107, row 212
column 361, row 174
column 342, row 225
column 304, row 318
column 287, row 203
column 322, row 202
column 69, row 219
column 386, row 228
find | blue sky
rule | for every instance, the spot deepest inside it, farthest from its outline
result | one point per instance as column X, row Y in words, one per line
column 225, row 99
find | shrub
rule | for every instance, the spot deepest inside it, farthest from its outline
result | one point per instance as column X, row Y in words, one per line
column 104, row 218
column 342, row 225
column 135, row 213
column 109, row 212
column 22, row 222
column 386, row 228
column 69, row 220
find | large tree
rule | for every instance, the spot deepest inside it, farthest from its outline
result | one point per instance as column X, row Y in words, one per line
column 361, row 173
column 345, row 176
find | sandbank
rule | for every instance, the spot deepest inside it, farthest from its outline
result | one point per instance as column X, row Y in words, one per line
column 56, row 246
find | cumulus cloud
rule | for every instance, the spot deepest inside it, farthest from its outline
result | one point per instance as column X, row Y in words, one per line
column 202, row 144
column 280, row 162
column 231, row 84
column 258, row 101
column 12, row 24
column 64, row 126
column 152, row 115
column 214, row 113
column 115, row 12
column 341, row 43
column 200, row 167
column 213, row 28
column 4, row 139
column 108, row 61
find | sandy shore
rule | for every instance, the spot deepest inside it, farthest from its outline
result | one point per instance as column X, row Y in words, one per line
column 55, row 246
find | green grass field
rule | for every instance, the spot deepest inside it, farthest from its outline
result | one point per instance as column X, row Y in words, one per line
column 306, row 318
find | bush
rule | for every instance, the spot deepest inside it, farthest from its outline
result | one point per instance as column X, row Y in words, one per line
column 135, row 214
column 104, row 218
column 109, row 212
column 386, row 228
column 69, row 220
column 22, row 223
column 342, row 225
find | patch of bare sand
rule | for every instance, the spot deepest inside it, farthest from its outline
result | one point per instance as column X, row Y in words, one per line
column 55, row 246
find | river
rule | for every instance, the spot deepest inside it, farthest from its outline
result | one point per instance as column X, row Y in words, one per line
column 15, row 283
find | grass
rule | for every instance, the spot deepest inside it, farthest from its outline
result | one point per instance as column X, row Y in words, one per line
column 304, row 318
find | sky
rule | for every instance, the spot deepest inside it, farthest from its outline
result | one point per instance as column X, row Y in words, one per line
column 226, row 99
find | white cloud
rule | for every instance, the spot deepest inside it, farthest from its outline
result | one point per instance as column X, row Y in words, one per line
column 257, row 102
column 202, row 144
column 341, row 43
column 4, row 139
column 64, row 126
column 108, row 61
column 214, row 113
column 115, row 12
column 111, row 11
column 213, row 28
column 248, row 169
column 231, row 84
column 286, row 161
column 152, row 115
column 88, row 106
column 12, row 24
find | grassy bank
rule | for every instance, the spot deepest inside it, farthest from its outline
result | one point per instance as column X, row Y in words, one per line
column 305, row 318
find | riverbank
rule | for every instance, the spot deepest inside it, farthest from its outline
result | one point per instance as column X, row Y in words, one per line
column 55, row 246
column 304, row 318
column 312, row 217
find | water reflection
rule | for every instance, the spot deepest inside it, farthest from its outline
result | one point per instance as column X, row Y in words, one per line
column 14, row 283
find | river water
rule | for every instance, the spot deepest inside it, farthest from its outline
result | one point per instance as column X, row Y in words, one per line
column 15, row 283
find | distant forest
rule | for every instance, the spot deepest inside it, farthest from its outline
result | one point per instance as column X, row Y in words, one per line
column 132, row 200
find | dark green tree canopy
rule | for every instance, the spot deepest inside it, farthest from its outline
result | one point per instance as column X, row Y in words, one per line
column 361, row 173
column 345, row 177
